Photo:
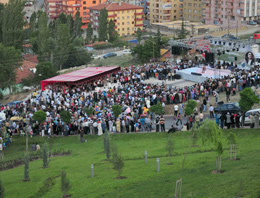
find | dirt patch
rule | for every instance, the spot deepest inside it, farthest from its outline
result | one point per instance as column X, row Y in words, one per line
column 121, row 177
column 16, row 97
column 217, row 172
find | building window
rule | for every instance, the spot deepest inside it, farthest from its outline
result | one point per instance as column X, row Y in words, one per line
column 127, row 11
column 123, row 29
column 122, row 12
column 123, row 23
column 128, row 23
column 123, row 18
column 85, row 18
column 84, row 13
column 133, row 22
column 94, row 2
column 118, row 23
column 118, row 29
column 84, row 8
column 84, row 2
column 128, row 17
column 118, row 18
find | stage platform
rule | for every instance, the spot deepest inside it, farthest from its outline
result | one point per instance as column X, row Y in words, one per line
column 195, row 74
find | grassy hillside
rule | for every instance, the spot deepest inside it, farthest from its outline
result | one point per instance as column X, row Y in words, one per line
column 241, row 178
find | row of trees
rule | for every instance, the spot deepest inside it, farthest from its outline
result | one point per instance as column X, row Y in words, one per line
column 59, row 42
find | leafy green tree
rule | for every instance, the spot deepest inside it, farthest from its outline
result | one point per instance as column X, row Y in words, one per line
column 232, row 138
column 102, row 30
column 170, row 147
column 183, row 31
column 65, row 116
column 139, row 35
column 189, row 109
column 112, row 36
column 62, row 18
column 61, row 50
column 45, row 155
column 33, row 23
column 70, row 23
column 118, row 162
column 44, row 71
column 117, row 110
column 157, row 109
column 1, row 21
column 13, row 23
column 210, row 132
column 247, row 99
column 26, row 166
column 43, row 39
column 39, row 116
column 2, row 190
column 65, row 184
column 89, row 33
column 10, row 60
column 107, row 145
column 77, row 25
column 89, row 111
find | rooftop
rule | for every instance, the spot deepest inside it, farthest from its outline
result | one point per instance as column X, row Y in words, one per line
column 24, row 71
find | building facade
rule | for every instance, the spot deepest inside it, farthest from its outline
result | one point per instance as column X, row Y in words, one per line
column 230, row 13
column 54, row 8
column 127, row 17
column 165, row 10
column 192, row 10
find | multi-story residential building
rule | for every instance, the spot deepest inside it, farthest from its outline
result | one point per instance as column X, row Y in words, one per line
column 192, row 10
column 230, row 13
column 127, row 17
column 165, row 10
column 54, row 8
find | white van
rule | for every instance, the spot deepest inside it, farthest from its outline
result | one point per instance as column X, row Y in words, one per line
column 247, row 116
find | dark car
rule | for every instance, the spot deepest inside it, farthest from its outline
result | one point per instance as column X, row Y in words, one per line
column 14, row 103
column 224, row 108
column 111, row 54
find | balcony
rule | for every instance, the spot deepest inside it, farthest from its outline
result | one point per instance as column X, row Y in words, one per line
column 140, row 13
column 140, row 19
column 77, row 5
column 112, row 16
column 53, row 11
column 139, row 25
column 69, row 11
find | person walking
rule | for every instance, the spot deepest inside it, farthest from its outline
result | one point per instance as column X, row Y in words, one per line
column 179, row 119
column 211, row 111
column 157, row 124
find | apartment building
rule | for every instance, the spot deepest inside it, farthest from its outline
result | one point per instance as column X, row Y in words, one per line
column 165, row 10
column 127, row 17
column 230, row 13
column 192, row 10
column 54, row 8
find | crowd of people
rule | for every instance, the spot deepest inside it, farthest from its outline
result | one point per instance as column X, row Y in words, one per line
column 128, row 89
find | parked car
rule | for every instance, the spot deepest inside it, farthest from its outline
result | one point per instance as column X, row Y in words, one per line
column 14, row 103
column 257, row 21
column 234, row 38
column 230, row 107
column 208, row 37
column 96, row 56
column 126, row 51
column 251, row 23
column 248, row 114
column 108, row 55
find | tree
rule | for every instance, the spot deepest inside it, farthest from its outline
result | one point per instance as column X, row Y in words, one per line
column 89, row 110
column 61, row 49
column 111, row 31
column 139, row 35
column 102, row 30
column 13, row 24
column 2, row 190
column 44, row 71
column 189, row 109
column 26, row 167
column 43, row 39
column 1, row 21
column 77, row 25
column 183, row 32
column 209, row 131
column 10, row 60
column 157, row 109
column 65, row 184
column 70, row 23
column 170, row 147
column 62, row 18
column 232, row 140
column 89, row 33
column 117, row 110
column 65, row 116
column 33, row 23
column 247, row 99
column 107, row 145
column 39, row 116
column 45, row 155
column 118, row 162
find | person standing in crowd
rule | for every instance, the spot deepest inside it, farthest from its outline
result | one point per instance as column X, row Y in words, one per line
column 252, row 120
column 228, row 120
column 211, row 111
column 162, row 123
column 204, row 104
column 157, row 124
column 176, row 109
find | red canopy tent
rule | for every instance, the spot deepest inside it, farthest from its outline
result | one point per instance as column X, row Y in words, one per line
column 82, row 76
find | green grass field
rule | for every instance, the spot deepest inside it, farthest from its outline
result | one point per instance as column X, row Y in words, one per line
column 122, row 61
column 241, row 178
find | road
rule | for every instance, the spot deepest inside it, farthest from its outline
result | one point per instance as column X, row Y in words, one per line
column 37, row 5
column 119, row 53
